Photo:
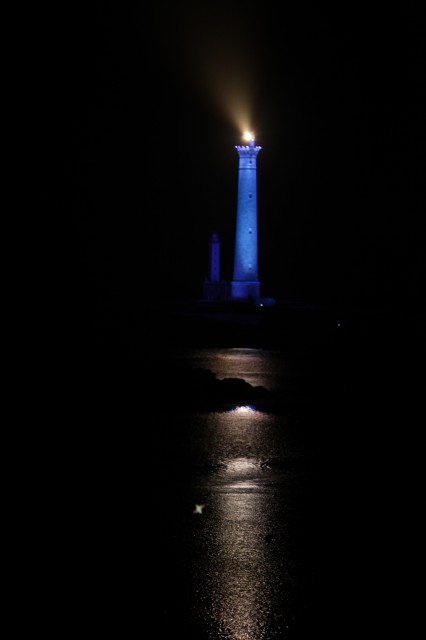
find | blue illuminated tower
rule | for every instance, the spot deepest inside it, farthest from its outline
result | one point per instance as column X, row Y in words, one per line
column 245, row 285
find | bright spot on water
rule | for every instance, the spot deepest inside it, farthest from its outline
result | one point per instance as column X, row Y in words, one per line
column 245, row 409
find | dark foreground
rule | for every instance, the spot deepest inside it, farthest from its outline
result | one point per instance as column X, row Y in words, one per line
column 97, row 500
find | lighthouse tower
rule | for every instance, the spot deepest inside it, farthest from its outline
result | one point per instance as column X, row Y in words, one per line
column 245, row 285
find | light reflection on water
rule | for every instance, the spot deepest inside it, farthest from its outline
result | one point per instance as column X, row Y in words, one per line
column 240, row 594
column 248, row 582
column 242, row 552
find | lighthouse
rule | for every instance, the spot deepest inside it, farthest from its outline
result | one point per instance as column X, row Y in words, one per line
column 245, row 285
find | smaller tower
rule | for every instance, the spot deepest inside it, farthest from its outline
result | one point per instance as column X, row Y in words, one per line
column 214, row 255
column 214, row 290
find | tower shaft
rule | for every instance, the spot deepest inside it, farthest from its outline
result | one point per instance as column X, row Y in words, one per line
column 245, row 284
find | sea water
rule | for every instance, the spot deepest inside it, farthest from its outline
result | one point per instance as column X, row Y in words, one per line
column 235, row 497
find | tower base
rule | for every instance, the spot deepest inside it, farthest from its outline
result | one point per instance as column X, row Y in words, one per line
column 245, row 291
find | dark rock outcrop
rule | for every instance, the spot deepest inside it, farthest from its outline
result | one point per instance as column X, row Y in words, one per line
column 197, row 388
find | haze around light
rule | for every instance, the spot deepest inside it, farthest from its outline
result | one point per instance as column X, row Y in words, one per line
column 217, row 55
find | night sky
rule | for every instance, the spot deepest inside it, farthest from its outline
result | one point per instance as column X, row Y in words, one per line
column 146, row 104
